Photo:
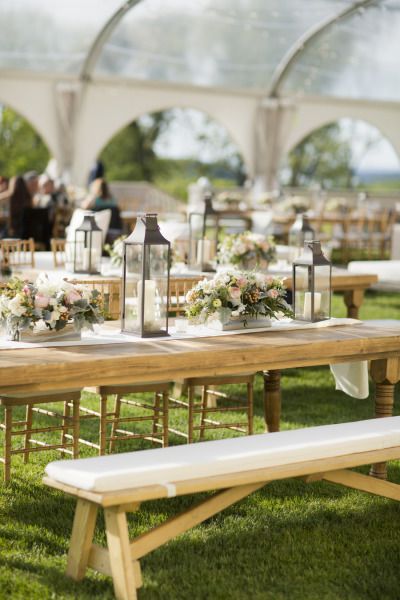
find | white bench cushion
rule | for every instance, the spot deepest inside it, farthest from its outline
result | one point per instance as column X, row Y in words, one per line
column 386, row 270
column 206, row 459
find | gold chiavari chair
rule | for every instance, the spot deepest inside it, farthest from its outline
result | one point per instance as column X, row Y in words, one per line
column 156, row 412
column 178, row 288
column 57, row 247
column 30, row 432
column 110, row 290
column 18, row 252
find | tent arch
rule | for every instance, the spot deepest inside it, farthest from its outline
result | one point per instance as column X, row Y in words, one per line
column 114, row 111
column 36, row 118
column 311, row 118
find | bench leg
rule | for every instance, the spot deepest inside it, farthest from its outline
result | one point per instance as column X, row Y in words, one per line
column 272, row 400
column 126, row 577
column 81, row 539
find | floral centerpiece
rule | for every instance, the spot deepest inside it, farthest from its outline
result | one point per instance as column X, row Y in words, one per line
column 246, row 250
column 116, row 250
column 337, row 205
column 45, row 306
column 229, row 199
column 296, row 204
column 237, row 296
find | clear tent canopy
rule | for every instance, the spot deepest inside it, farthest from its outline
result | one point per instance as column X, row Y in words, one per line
column 273, row 58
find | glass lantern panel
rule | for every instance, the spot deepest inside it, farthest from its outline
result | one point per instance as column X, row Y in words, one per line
column 196, row 234
column 133, row 273
column 93, row 251
column 156, row 290
column 302, row 291
column 203, row 241
column 322, row 298
column 88, row 248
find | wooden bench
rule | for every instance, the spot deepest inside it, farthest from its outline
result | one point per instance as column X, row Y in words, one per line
column 237, row 467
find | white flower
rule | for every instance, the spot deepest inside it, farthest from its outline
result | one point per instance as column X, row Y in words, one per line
column 41, row 325
column 15, row 307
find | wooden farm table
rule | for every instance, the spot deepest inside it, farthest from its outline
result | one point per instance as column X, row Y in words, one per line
column 58, row 368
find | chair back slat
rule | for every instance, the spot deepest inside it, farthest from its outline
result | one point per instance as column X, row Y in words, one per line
column 18, row 252
column 58, row 249
column 178, row 288
column 110, row 290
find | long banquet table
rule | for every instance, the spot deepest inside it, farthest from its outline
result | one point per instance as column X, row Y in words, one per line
column 58, row 368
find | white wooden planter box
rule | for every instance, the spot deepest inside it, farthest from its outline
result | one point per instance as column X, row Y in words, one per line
column 242, row 323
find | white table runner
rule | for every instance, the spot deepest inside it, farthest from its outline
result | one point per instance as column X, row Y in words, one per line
column 110, row 334
column 351, row 378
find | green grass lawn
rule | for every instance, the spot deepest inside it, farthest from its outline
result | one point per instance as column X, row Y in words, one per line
column 290, row 541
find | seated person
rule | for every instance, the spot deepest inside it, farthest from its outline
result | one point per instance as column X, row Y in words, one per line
column 100, row 196
column 19, row 200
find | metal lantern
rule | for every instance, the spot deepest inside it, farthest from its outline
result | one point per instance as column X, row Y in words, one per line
column 88, row 247
column 145, row 290
column 300, row 232
column 203, row 236
column 312, row 287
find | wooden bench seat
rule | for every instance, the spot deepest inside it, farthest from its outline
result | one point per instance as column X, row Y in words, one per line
column 238, row 467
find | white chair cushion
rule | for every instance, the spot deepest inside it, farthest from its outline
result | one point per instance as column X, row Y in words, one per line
column 102, row 218
column 206, row 459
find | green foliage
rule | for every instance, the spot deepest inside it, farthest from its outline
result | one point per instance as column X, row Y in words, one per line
column 389, row 185
column 130, row 155
column 323, row 157
column 21, row 147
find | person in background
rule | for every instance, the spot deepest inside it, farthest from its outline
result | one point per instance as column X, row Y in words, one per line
column 4, row 182
column 45, row 197
column 100, row 196
column 96, row 172
column 32, row 183
column 19, row 199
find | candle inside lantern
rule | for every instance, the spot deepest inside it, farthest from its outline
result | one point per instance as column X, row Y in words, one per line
column 149, row 300
column 92, row 256
column 307, row 304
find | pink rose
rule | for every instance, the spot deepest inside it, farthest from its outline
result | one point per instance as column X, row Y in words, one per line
column 26, row 290
column 73, row 296
column 273, row 293
column 41, row 301
column 234, row 293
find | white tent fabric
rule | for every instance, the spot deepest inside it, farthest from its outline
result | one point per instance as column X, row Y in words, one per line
column 80, row 71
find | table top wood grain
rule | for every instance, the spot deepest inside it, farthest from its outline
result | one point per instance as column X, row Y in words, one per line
column 57, row 368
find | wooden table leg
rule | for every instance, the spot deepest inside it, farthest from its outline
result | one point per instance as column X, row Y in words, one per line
column 385, row 373
column 272, row 400
column 353, row 300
